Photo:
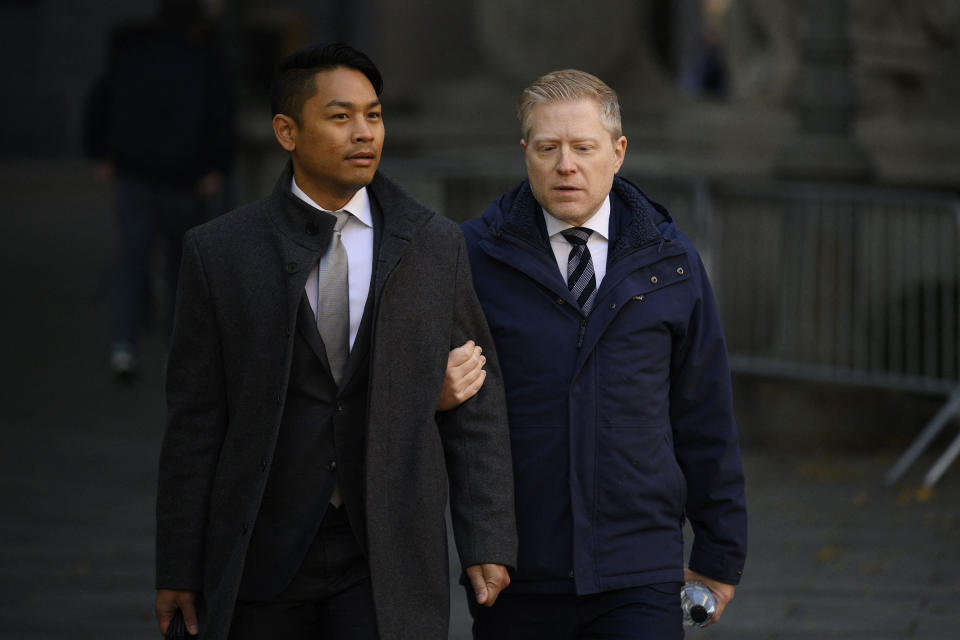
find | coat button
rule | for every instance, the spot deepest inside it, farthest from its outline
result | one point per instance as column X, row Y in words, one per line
column 654, row 280
column 613, row 305
column 571, row 573
column 332, row 465
column 292, row 267
column 679, row 271
column 244, row 528
column 311, row 229
column 339, row 407
column 263, row 464
column 559, row 300
column 639, row 298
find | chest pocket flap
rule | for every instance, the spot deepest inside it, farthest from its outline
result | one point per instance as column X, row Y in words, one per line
column 666, row 272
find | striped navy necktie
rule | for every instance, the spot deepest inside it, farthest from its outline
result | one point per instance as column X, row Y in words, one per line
column 580, row 278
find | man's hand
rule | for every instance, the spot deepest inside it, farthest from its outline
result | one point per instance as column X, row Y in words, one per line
column 488, row 580
column 209, row 184
column 104, row 171
column 722, row 592
column 168, row 601
column 464, row 377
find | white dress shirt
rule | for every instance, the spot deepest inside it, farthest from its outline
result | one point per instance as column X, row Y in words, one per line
column 357, row 238
column 599, row 222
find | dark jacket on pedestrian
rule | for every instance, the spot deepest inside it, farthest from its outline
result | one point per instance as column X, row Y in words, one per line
column 163, row 109
column 621, row 423
column 241, row 291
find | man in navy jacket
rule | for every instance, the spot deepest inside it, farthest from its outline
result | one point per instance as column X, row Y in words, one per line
column 617, row 382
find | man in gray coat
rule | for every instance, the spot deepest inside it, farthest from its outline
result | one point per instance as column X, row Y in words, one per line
column 304, row 472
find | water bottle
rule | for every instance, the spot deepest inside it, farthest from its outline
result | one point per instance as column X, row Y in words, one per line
column 697, row 603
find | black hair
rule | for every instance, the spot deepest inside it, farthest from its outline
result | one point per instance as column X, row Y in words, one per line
column 180, row 15
column 293, row 83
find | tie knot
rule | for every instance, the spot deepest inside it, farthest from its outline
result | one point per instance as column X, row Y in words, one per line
column 342, row 217
column 577, row 235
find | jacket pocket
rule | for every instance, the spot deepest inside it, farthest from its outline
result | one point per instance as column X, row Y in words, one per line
column 638, row 498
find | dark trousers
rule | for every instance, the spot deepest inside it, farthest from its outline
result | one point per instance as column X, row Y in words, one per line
column 639, row 613
column 329, row 598
column 149, row 215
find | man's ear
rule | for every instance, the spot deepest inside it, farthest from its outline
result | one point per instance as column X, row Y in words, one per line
column 619, row 152
column 285, row 129
column 523, row 144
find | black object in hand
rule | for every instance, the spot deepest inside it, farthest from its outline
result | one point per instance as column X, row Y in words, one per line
column 178, row 628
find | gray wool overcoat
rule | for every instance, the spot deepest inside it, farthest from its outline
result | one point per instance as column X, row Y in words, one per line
column 241, row 282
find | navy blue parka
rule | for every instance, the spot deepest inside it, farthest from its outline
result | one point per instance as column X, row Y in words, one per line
column 621, row 423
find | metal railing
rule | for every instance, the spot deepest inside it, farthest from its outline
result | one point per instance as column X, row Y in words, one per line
column 846, row 285
column 841, row 284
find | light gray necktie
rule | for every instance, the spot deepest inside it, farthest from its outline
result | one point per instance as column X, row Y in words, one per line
column 333, row 300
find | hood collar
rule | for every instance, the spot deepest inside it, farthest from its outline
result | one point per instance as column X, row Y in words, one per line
column 516, row 212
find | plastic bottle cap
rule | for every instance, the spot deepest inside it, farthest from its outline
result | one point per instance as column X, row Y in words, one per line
column 698, row 613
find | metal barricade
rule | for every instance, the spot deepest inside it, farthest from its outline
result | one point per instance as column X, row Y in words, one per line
column 844, row 284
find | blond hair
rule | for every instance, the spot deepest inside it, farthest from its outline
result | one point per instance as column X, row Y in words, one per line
column 570, row 85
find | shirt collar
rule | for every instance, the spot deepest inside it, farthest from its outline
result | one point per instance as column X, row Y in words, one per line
column 358, row 205
column 599, row 222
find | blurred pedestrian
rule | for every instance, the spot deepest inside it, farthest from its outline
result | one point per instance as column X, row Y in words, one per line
column 159, row 123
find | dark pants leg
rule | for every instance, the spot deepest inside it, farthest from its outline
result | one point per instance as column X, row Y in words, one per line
column 329, row 598
column 639, row 613
column 525, row 617
column 343, row 616
column 182, row 211
column 136, row 237
column 147, row 215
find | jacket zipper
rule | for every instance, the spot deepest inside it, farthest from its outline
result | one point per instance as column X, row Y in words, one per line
column 583, row 321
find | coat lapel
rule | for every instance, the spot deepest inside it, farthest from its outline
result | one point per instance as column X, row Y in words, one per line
column 401, row 216
column 307, row 328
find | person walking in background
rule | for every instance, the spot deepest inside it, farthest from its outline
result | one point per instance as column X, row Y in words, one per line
column 617, row 382
column 305, row 470
column 160, row 124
